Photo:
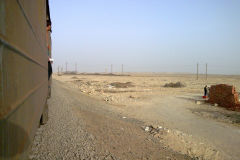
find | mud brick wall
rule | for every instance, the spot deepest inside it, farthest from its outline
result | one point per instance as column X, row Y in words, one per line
column 225, row 96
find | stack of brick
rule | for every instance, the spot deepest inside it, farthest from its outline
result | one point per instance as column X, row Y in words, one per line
column 225, row 96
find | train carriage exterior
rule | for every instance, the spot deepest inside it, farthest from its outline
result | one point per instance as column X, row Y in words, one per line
column 25, row 47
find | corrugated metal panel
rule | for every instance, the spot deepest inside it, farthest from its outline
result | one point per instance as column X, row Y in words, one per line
column 37, row 21
column 23, row 73
column 2, row 19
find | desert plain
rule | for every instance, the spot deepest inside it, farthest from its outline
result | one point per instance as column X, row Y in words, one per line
column 191, row 126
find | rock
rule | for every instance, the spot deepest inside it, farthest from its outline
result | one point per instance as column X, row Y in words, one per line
column 150, row 129
column 147, row 129
column 110, row 86
column 198, row 102
column 157, row 135
column 106, row 99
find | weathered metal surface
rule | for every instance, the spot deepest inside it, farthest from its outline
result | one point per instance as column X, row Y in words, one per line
column 23, row 74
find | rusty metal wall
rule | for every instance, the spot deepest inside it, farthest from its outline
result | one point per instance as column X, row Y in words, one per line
column 23, row 74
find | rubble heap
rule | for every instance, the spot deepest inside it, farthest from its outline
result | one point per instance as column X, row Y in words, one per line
column 225, row 96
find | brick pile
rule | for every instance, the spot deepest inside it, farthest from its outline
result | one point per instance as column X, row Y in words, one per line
column 225, row 96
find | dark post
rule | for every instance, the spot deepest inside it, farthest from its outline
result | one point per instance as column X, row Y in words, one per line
column 66, row 66
column 197, row 70
column 76, row 68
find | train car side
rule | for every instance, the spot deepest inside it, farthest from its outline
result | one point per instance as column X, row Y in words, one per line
column 23, row 74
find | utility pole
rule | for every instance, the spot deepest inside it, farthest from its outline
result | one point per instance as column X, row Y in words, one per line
column 206, row 71
column 122, row 68
column 76, row 68
column 197, row 70
column 66, row 66
column 111, row 68
column 58, row 70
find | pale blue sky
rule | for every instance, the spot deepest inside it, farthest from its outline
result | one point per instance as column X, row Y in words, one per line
column 147, row 35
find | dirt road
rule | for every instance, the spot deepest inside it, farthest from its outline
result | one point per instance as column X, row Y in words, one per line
column 178, row 113
column 81, row 127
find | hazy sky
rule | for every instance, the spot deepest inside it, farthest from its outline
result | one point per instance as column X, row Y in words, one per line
column 147, row 35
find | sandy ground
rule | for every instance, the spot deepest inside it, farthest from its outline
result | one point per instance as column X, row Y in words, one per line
column 142, row 86
column 140, row 89
column 202, row 131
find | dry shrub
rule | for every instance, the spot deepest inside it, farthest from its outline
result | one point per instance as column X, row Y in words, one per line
column 74, row 77
column 79, row 80
column 122, row 85
column 175, row 85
